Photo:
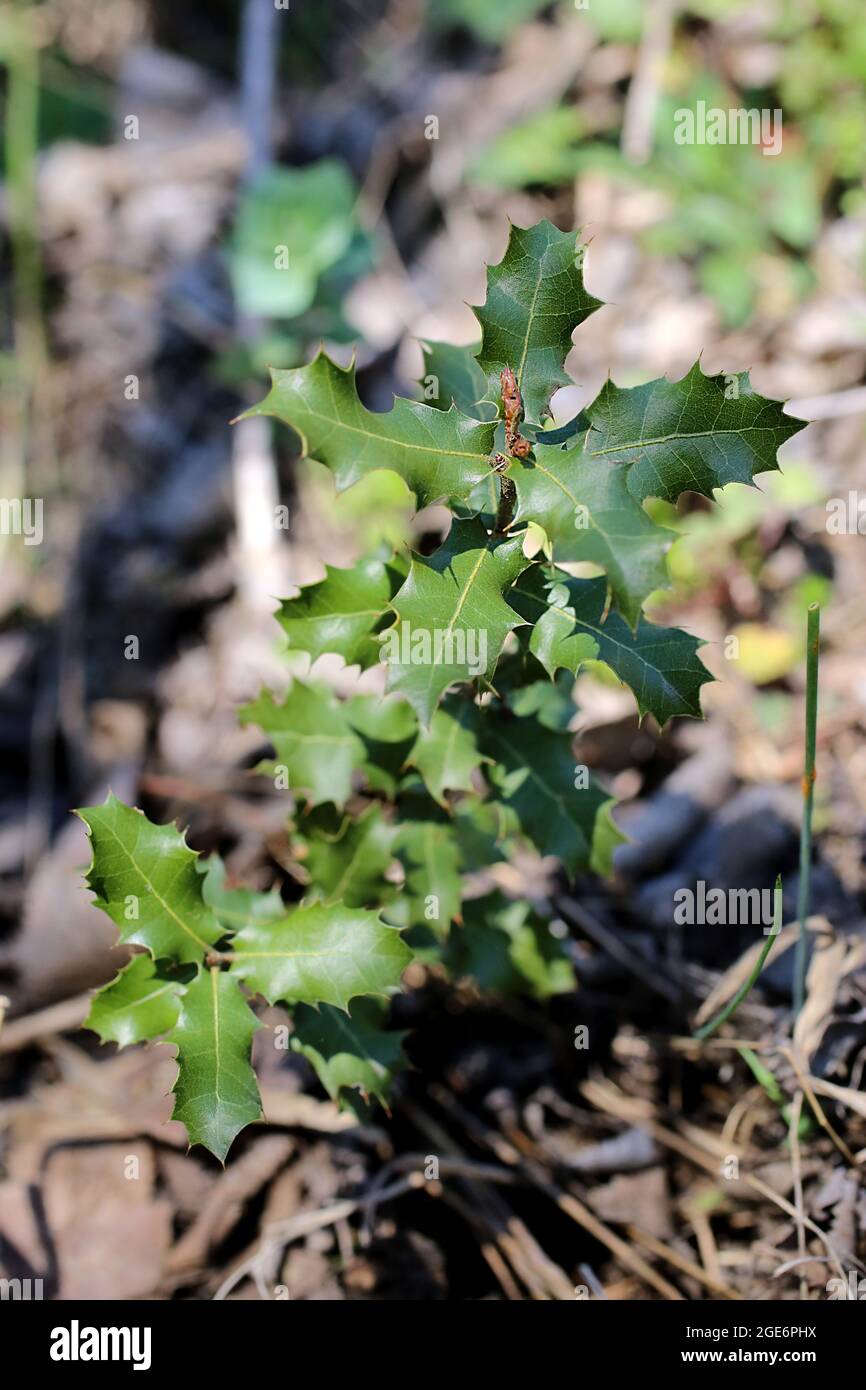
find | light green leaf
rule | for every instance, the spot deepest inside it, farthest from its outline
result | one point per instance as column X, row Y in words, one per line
column 342, row 612
column 138, row 1004
column 312, row 739
column 144, row 877
column 347, row 863
column 550, row 702
column 660, row 664
column 585, row 507
column 320, row 955
column 535, row 301
column 536, row 776
column 430, row 855
column 451, row 617
column 215, row 1094
column 695, row 434
column 446, row 754
column 493, row 23
column 438, row 453
column 351, row 1050
column 542, row 148
column 311, row 213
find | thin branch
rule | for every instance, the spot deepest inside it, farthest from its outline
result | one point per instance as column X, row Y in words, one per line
column 813, row 645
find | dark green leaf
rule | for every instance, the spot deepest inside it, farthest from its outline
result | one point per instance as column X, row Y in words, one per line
column 585, row 506
column 535, row 301
column 438, row 453
column 453, row 374
column 348, row 864
column 660, row 664
column 145, row 878
column 537, row 777
column 430, row 854
column 506, row 948
column 215, row 1095
column 388, row 729
column 695, row 434
column 352, row 1050
column 451, row 617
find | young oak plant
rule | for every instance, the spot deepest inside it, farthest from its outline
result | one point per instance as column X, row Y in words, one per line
column 397, row 798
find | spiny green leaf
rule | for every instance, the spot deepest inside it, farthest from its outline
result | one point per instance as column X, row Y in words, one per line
column 454, row 375
column 695, row 434
column 320, row 955
column 447, row 753
column 438, row 453
column 505, row 947
column 536, row 776
column 138, row 1004
column 312, row 739
column 215, row 1093
column 341, row 612
column 347, row 863
column 535, row 301
column 388, row 729
column 236, row 906
column 660, row 664
column 430, row 855
column 145, row 878
column 585, row 507
column 451, row 617
column 352, row 1050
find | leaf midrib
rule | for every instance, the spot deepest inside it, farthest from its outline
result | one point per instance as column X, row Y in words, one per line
column 205, row 945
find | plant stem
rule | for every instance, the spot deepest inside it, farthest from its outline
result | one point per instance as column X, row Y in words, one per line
column 733, row 1004
column 507, row 503
column 813, row 627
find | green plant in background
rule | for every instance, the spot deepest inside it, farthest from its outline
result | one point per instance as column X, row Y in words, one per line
column 296, row 248
column 465, row 756
column 747, row 221
column 491, row 23
column 730, row 206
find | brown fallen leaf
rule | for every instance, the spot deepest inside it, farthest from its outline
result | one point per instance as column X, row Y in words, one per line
column 635, row 1199
column 110, row 1233
column 833, row 959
